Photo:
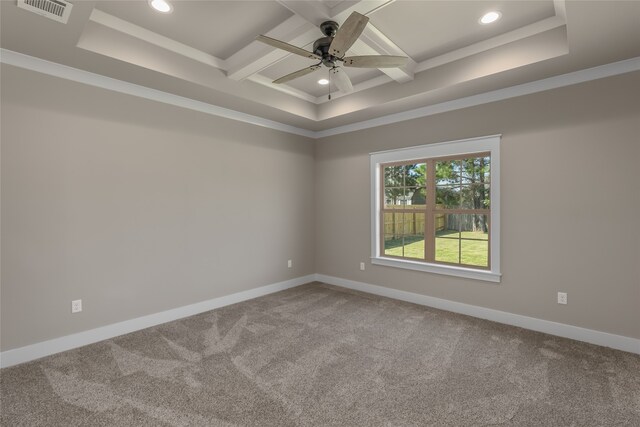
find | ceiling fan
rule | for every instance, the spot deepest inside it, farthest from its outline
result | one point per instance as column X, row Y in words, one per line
column 331, row 49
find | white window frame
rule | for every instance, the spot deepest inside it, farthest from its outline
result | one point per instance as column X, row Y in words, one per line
column 489, row 144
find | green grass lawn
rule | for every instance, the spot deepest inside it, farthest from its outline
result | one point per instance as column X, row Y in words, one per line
column 448, row 247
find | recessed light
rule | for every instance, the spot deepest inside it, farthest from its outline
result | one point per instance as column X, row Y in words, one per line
column 323, row 82
column 490, row 17
column 161, row 6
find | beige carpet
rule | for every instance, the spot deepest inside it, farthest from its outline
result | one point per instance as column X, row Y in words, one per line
column 322, row 355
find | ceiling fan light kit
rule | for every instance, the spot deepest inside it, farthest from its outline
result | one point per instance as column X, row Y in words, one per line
column 330, row 50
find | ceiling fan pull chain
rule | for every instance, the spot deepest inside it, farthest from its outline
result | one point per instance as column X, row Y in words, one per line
column 329, row 85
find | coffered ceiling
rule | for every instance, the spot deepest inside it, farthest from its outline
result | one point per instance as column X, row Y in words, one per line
column 206, row 50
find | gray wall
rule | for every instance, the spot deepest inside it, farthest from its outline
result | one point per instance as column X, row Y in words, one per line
column 570, row 204
column 137, row 207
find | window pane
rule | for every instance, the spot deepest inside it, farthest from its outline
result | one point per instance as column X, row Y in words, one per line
column 450, row 226
column 393, row 246
column 474, row 226
column 475, row 170
column 447, row 197
column 448, row 250
column 440, row 223
column 474, row 246
column 416, row 175
column 393, row 233
column 414, row 235
column 447, row 238
column 388, row 225
column 393, row 176
column 475, row 196
column 394, row 198
column 392, row 224
column 416, row 198
column 448, row 172
column 487, row 169
column 474, row 252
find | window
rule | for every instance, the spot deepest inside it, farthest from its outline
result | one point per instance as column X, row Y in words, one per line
column 436, row 208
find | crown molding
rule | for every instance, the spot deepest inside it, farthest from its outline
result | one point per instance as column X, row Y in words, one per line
column 92, row 79
column 85, row 77
column 582, row 76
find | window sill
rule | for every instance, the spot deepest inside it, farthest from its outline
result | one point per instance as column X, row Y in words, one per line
column 468, row 273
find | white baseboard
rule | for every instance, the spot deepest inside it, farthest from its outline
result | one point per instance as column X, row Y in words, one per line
column 604, row 339
column 57, row 345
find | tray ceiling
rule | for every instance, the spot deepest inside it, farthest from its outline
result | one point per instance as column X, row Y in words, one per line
column 206, row 50
column 437, row 35
column 219, row 28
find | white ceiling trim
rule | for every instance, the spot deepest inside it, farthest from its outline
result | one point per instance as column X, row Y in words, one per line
column 313, row 11
column 367, row 84
column 138, row 32
column 371, row 42
column 374, row 42
column 560, row 8
column 496, row 41
column 365, row 46
column 265, row 81
column 256, row 56
column 555, row 82
column 379, row 44
column 301, row 30
column 81, row 76
column 92, row 79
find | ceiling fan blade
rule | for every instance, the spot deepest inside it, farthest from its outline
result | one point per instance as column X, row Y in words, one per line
column 288, row 47
column 347, row 34
column 375, row 61
column 341, row 80
column 297, row 74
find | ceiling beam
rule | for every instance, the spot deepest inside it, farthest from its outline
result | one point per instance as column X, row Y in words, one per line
column 342, row 10
column 372, row 41
column 138, row 32
column 561, row 9
column 315, row 12
column 256, row 56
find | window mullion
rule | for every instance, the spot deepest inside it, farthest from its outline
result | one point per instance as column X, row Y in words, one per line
column 429, row 229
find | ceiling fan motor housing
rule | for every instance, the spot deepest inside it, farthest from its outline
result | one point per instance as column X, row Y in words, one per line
column 321, row 48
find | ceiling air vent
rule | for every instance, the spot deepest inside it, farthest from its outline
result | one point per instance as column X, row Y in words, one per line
column 58, row 10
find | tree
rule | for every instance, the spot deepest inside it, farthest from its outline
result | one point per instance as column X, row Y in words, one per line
column 462, row 184
column 397, row 179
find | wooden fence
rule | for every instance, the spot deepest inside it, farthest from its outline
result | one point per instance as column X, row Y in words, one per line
column 397, row 224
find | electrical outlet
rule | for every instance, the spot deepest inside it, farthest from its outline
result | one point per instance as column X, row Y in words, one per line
column 76, row 306
column 562, row 297
column 289, row 264
column 362, row 266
